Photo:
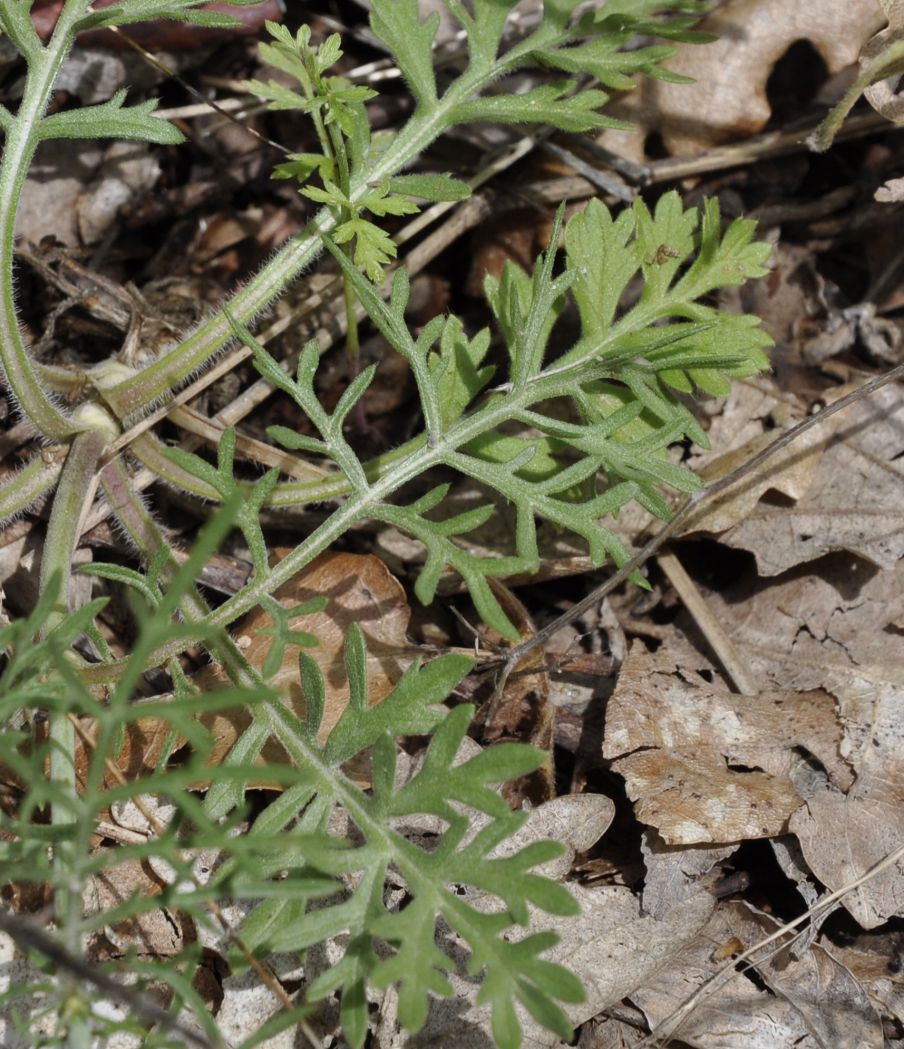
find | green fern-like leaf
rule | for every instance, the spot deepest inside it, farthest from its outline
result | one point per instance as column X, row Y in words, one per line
column 302, row 916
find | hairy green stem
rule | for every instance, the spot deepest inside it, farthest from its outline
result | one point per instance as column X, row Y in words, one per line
column 21, row 141
column 64, row 527
column 150, row 541
column 26, row 486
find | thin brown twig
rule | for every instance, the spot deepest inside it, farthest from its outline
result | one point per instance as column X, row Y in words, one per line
column 161, row 67
column 708, row 624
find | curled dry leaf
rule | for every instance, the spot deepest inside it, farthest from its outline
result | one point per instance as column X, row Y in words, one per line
column 813, row 1002
column 840, row 631
column 675, row 873
column 892, row 192
column 155, row 933
column 677, row 740
column 842, row 836
column 728, row 99
column 884, row 96
column 578, row 821
column 854, row 502
column 742, row 430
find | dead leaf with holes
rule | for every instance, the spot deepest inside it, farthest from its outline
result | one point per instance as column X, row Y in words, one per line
column 728, row 100
column 678, row 740
column 839, row 631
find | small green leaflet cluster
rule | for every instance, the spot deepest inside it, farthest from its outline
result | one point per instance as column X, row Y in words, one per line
column 592, row 45
column 337, row 109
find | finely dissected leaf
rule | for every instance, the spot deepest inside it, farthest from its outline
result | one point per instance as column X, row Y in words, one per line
column 17, row 25
column 127, row 12
column 554, row 104
column 112, row 119
column 660, row 245
column 222, row 479
column 602, row 59
column 416, row 960
column 620, row 375
column 430, row 187
column 398, row 24
column 484, row 27
column 374, row 249
column 573, row 433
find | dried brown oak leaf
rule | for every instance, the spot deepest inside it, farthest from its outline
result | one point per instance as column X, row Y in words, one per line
column 360, row 589
column 728, row 99
column 162, row 34
column 678, row 740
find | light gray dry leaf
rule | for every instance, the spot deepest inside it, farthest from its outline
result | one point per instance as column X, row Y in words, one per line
column 605, row 1032
column 675, row 738
column 612, row 948
column 153, row 934
column 891, row 192
column 247, row 1005
column 17, row 970
column 578, row 821
column 728, row 100
column 841, row 632
column 813, row 1003
column 855, row 501
column 789, row 857
column 843, row 836
column 741, row 432
column 128, row 171
column 674, row 872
